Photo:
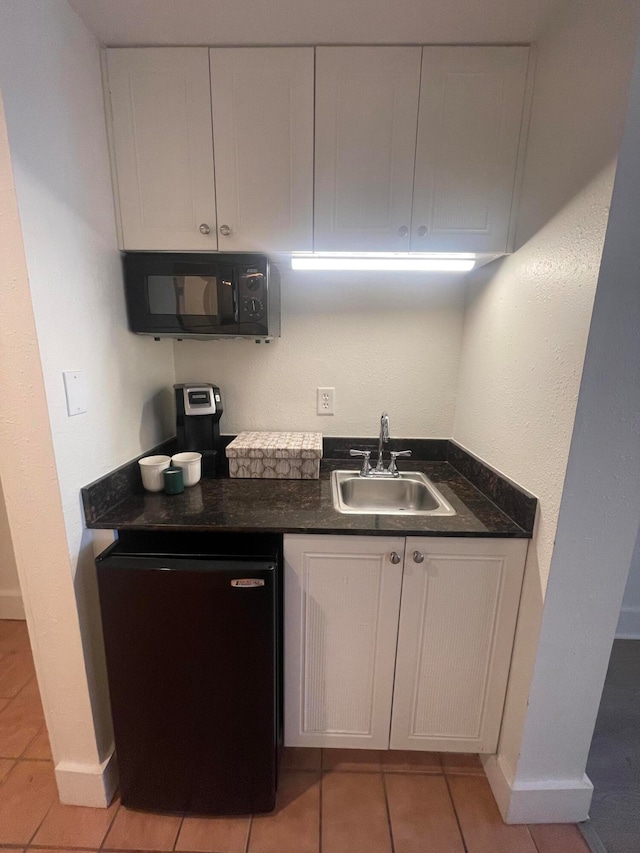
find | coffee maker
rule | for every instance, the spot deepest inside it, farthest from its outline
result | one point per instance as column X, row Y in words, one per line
column 198, row 412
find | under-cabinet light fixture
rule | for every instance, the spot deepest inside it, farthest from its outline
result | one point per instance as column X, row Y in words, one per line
column 386, row 261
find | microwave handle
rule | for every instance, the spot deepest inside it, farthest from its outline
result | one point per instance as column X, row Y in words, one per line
column 236, row 307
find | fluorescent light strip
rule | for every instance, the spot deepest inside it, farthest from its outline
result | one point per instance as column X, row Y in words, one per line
column 384, row 261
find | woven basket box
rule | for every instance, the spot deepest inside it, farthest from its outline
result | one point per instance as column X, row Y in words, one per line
column 276, row 455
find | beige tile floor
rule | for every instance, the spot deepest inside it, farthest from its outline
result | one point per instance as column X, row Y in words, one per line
column 329, row 801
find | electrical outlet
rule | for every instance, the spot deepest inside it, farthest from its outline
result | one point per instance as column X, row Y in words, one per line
column 326, row 398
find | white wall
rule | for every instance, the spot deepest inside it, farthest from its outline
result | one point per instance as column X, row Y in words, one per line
column 384, row 341
column 155, row 22
column 629, row 621
column 528, row 316
column 599, row 514
column 10, row 599
column 51, row 85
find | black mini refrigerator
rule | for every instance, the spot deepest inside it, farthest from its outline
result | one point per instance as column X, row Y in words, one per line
column 193, row 640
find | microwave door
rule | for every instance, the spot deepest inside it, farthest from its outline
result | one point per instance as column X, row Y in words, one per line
column 204, row 303
column 227, row 299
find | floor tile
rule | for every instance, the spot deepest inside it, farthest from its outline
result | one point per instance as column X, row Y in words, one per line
column 354, row 813
column 558, row 838
column 401, row 761
column 462, row 762
column 142, row 831
column 5, row 766
column 352, row 760
column 26, row 795
column 39, row 749
column 422, row 815
column 16, row 669
column 55, row 850
column 301, row 758
column 214, row 834
column 75, row 826
column 294, row 826
column 482, row 827
column 13, row 635
column 20, row 722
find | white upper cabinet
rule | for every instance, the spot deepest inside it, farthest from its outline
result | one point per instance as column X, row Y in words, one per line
column 161, row 141
column 263, row 145
column 366, row 120
column 417, row 149
column 471, row 118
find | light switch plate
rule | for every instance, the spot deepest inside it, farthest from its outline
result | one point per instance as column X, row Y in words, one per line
column 75, row 388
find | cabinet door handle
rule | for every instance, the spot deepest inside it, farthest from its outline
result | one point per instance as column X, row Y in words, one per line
column 225, row 230
column 403, row 231
column 418, row 557
column 422, row 231
column 395, row 558
column 204, row 229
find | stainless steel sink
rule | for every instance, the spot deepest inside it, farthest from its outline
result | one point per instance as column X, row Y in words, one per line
column 409, row 494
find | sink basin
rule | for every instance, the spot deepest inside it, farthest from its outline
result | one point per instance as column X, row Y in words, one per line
column 409, row 494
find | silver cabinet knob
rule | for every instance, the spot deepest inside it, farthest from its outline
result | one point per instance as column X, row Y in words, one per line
column 395, row 558
column 403, row 231
column 422, row 231
column 225, row 230
column 418, row 557
column 204, row 229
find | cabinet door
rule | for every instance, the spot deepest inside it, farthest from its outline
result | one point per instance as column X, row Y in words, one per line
column 263, row 144
column 471, row 118
column 457, row 622
column 163, row 147
column 366, row 119
column 342, row 597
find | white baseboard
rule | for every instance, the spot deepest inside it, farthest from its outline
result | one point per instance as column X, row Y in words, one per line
column 11, row 606
column 87, row 784
column 545, row 801
column 628, row 624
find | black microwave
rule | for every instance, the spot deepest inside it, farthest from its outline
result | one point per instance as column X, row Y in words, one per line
column 203, row 296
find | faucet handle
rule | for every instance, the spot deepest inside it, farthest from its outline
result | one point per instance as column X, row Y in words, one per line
column 366, row 461
column 393, row 468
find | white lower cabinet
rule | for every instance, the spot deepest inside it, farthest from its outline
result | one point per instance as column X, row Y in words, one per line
column 401, row 644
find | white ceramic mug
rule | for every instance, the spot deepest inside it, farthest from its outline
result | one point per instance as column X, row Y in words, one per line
column 191, row 463
column 151, row 468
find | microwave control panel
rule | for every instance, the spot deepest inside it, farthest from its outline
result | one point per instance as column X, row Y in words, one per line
column 252, row 293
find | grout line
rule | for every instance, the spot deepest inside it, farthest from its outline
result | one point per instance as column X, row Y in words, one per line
column 455, row 812
column 46, row 814
column 249, row 828
column 320, row 806
column 22, row 754
column 386, row 805
column 175, row 840
column 113, row 820
column 533, row 841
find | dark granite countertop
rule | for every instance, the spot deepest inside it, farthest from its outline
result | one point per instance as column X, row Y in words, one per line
column 305, row 506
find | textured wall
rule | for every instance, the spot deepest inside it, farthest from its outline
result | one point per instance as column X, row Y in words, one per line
column 600, row 511
column 629, row 624
column 528, row 316
column 51, row 84
column 384, row 341
column 155, row 22
column 10, row 598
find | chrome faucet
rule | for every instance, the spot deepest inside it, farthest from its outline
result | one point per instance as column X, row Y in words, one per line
column 379, row 470
column 382, row 440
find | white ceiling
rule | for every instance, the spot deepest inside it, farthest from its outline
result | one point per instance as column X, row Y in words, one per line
column 139, row 22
